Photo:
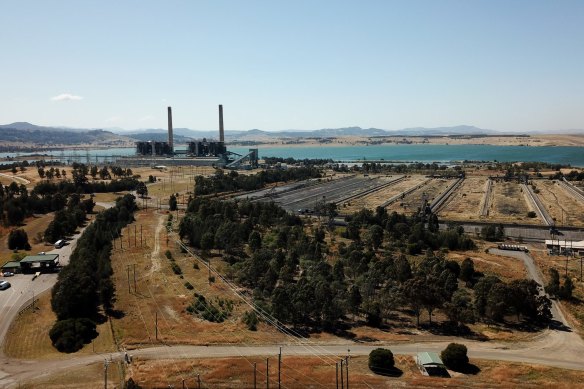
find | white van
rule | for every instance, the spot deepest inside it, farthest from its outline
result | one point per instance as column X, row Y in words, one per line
column 60, row 243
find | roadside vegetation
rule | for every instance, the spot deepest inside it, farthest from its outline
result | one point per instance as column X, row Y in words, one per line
column 84, row 288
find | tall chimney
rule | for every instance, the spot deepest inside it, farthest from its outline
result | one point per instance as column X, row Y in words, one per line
column 170, row 136
column 221, row 129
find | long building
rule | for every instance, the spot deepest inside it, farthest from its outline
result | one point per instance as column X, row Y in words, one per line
column 556, row 246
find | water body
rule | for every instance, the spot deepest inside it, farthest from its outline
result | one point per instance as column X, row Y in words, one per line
column 430, row 153
column 392, row 153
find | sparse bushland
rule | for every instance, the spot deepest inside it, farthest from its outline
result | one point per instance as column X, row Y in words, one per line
column 294, row 274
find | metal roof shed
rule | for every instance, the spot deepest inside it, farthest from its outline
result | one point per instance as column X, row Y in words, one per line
column 12, row 266
column 41, row 262
column 430, row 364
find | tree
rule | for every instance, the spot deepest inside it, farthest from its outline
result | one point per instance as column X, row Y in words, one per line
column 454, row 356
column 467, row 270
column 254, row 241
column 93, row 171
column 460, row 310
column 381, row 360
column 375, row 236
column 41, row 172
column 566, row 290
column 553, row 286
column 142, row 190
column 71, row 334
column 172, row 203
column 18, row 240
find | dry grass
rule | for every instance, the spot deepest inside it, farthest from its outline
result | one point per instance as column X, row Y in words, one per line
column 28, row 336
column 312, row 372
column 163, row 293
column 464, row 203
column 377, row 198
column 509, row 204
column 506, row 268
column 412, row 202
column 35, row 229
column 561, row 205
column 89, row 377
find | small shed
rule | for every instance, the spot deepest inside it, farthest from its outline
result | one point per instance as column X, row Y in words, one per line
column 430, row 364
column 11, row 266
column 44, row 263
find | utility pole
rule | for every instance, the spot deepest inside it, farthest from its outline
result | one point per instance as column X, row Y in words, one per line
column 337, row 374
column 342, row 384
column 254, row 375
column 105, row 373
column 279, row 368
column 198, row 381
column 156, row 324
column 267, row 373
column 183, row 384
column 347, row 368
column 128, row 269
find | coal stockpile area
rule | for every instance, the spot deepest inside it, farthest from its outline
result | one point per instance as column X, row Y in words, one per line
column 335, row 191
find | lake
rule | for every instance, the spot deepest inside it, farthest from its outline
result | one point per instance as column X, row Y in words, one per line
column 391, row 153
column 430, row 153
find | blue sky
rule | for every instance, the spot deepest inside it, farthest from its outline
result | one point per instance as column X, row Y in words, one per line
column 275, row 65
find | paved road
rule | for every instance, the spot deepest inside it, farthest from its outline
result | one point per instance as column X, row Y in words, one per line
column 23, row 287
column 534, row 274
column 551, row 348
column 20, row 294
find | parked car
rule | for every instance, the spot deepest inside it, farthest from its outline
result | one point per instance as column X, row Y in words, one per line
column 7, row 274
column 4, row 285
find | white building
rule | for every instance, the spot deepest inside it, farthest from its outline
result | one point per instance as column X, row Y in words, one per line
column 558, row 246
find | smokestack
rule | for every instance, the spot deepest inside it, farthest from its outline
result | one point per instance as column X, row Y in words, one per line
column 221, row 129
column 170, row 136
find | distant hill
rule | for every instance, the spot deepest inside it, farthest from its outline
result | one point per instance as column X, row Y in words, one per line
column 27, row 133
column 322, row 133
column 15, row 134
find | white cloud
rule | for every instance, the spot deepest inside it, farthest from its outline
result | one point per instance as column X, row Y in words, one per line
column 66, row 97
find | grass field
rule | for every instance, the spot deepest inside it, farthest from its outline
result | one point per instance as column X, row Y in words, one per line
column 313, row 372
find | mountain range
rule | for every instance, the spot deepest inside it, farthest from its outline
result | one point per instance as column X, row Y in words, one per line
column 30, row 133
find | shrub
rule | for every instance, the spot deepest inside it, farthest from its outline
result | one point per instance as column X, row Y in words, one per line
column 196, row 266
column 168, row 254
column 18, row 240
column 176, row 268
column 381, row 360
column 251, row 320
column 531, row 214
column 189, row 286
column 454, row 356
column 71, row 334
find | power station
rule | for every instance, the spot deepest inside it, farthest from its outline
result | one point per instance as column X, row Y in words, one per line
column 199, row 152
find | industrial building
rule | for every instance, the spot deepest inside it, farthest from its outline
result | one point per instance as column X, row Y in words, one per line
column 44, row 263
column 201, row 152
column 565, row 247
